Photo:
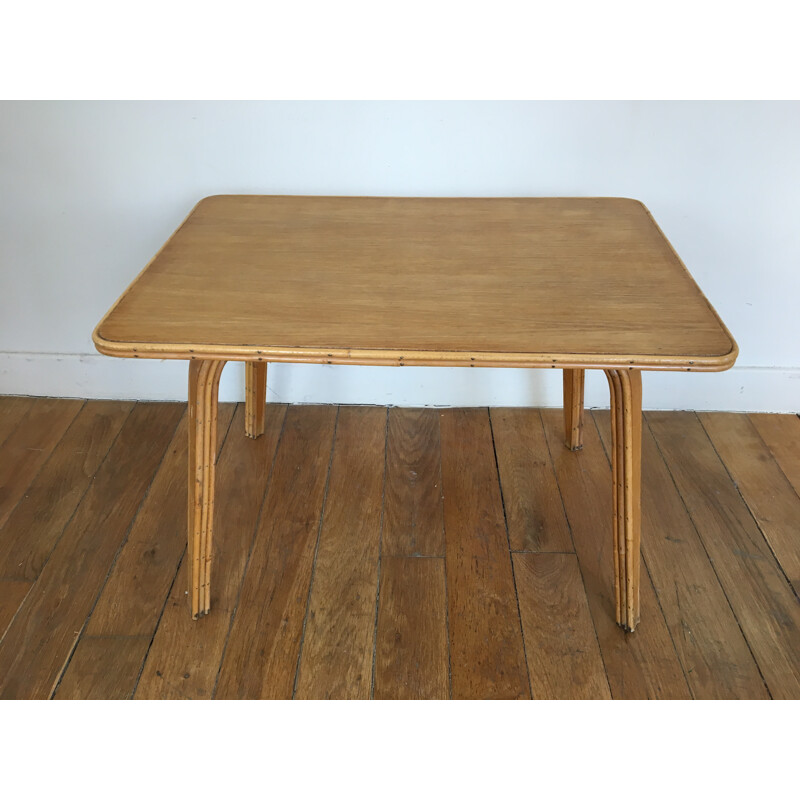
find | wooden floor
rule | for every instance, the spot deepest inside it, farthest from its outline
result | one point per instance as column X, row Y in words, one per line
column 363, row 552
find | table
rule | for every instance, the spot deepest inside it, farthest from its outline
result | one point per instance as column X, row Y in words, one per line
column 556, row 283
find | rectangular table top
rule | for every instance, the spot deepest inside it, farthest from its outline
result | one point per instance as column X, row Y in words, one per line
column 554, row 282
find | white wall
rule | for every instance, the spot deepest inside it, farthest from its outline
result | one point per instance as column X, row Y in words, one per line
column 89, row 191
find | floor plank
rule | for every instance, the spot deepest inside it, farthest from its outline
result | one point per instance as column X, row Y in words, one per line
column 133, row 597
column 412, row 657
column 260, row 659
column 532, row 502
column 716, row 659
column 12, row 411
column 12, row 594
column 29, row 445
column 184, row 658
column 761, row 598
column 640, row 665
column 486, row 650
column 762, row 484
column 339, row 641
column 564, row 660
column 44, row 632
column 412, row 524
column 781, row 433
column 102, row 667
column 38, row 520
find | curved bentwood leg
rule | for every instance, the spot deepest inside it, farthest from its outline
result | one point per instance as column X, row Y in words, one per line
column 626, row 468
column 203, row 394
column 255, row 396
column 573, row 408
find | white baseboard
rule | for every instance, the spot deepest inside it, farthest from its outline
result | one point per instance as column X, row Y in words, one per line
column 94, row 376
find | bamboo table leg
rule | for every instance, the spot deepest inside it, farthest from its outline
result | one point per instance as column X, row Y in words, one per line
column 626, row 467
column 203, row 394
column 255, row 380
column 573, row 408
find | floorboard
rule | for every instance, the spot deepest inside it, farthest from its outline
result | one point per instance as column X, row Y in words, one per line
column 781, row 433
column 487, row 659
column 759, row 594
column 339, row 638
column 412, row 659
column 261, row 655
column 185, row 656
column 29, row 446
column 532, row 502
column 394, row 553
column 642, row 665
column 762, row 485
column 714, row 654
column 44, row 632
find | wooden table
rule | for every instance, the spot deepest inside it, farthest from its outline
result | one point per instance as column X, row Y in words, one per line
column 556, row 283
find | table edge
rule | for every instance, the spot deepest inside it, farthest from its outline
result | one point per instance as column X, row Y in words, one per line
column 418, row 358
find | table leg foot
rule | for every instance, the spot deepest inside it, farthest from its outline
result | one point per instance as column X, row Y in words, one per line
column 255, row 380
column 203, row 393
column 573, row 408
column 626, row 467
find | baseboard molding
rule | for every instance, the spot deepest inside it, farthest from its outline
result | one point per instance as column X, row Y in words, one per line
column 94, row 376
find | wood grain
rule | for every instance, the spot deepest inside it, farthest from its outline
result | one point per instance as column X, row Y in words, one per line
column 412, row 522
column 781, row 433
column 261, row 656
column 255, row 389
column 12, row 411
column 29, row 446
column 102, row 668
column 133, row 597
column 184, row 658
column 532, row 502
column 412, row 658
column 36, row 523
column 12, row 594
column 762, row 484
column 486, row 650
column 556, row 282
column 339, row 640
column 757, row 590
column 573, row 380
column 714, row 654
column 639, row 666
column 43, row 634
column 564, row 660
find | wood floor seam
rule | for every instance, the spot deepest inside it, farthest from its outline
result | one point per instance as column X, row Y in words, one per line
column 708, row 555
column 316, row 553
column 116, row 556
column 249, row 554
column 510, row 557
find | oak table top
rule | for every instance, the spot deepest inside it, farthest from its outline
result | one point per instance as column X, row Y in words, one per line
column 528, row 282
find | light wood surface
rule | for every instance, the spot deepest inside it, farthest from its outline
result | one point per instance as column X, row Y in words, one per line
column 573, row 408
column 255, row 391
column 720, row 617
column 575, row 282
